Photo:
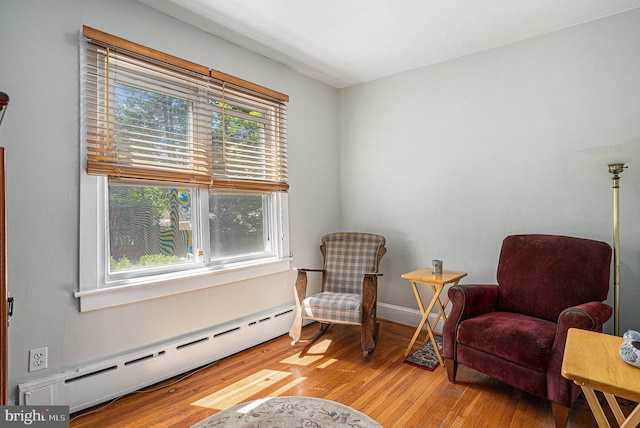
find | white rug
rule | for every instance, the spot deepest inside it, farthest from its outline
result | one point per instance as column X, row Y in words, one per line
column 289, row 412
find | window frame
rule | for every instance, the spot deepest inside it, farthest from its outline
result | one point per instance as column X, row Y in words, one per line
column 98, row 289
column 96, row 293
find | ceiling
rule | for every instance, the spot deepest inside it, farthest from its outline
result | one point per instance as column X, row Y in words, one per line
column 348, row 42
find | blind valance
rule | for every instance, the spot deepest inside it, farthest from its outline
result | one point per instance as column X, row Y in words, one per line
column 152, row 116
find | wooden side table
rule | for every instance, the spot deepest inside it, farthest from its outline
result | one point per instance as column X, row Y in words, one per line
column 437, row 283
column 592, row 360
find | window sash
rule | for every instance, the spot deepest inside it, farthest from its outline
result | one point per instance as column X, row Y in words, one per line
column 203, row 254
column 268, row 248
column 144, row 221
column 251, row 158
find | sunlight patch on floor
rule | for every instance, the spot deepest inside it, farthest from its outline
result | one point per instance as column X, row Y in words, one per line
column 327, row 363
column 250, row 406
column 319, row 347
column 287, row 387
column 310, row 355
column 242, row 390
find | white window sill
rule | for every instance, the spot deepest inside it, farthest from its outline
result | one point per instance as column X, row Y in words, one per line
column 167, row 285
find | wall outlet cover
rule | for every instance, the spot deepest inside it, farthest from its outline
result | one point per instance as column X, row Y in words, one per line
column 38, row 359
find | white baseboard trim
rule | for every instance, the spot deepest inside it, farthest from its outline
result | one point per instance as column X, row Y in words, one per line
column 94, row 383
column 406, row 316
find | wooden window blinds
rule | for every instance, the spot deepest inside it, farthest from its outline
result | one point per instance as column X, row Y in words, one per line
column 149, row 115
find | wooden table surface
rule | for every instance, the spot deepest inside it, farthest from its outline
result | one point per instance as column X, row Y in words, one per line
column 593, row 359
column 426, row 276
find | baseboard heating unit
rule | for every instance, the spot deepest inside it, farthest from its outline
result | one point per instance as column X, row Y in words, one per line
column 92, row 384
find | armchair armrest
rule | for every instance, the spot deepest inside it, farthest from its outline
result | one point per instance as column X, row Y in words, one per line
column 470, row 300
column 587, row 316
column 467, row 301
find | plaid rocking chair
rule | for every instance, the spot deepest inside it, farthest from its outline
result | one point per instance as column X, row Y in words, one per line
column 349, row 287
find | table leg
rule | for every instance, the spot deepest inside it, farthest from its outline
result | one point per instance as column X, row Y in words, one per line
column 598, row 413
column 615, row 407
column 425, row 321
column 415, row 335
column 435, row 344
column 633, row 420
column 442, row 306
column 425, row 315
column 436, row 298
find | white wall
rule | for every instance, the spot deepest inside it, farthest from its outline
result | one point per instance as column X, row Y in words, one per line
column 444, row 161
column 39, row 71
column 447, row 160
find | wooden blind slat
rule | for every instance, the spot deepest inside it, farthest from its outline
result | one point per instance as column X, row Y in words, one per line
column 264, row 186
column 100, row 36
column 248, row 85
column 153, row 116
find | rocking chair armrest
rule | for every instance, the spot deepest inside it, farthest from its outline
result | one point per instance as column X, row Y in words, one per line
column 372, row 274
column 301, row 283
column 370, row 285
column 369, row 294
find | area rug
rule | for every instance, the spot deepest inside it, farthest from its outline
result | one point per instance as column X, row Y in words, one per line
column 425, row 357
column 289, row 412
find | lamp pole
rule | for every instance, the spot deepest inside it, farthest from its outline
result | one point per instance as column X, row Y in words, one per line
column 616, row 169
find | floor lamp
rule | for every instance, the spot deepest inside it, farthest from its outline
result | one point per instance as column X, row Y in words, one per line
column 616, row 169
column 616, row 157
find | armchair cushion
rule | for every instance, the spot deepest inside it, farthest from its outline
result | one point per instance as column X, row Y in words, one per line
column 541, row 275
column 523, row 339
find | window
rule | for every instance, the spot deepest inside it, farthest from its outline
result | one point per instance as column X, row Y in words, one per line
column 150, row 227
column 239, row 226
column 186, row 175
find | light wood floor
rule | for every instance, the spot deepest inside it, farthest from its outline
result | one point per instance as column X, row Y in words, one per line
column 383, row 387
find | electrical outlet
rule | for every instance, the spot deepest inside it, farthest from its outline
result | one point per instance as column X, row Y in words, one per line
column 38, row 359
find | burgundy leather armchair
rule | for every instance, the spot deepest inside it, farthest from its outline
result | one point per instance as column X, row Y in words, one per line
column 515, row 331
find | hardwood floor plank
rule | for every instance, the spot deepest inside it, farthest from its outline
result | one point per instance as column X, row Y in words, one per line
column 383, row 386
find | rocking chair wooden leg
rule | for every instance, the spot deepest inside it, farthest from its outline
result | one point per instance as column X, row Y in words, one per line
column 369, row 336
column 367, row 350
column 321, row 330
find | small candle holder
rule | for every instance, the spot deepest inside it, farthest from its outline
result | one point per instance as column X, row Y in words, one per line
column 436, row 267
